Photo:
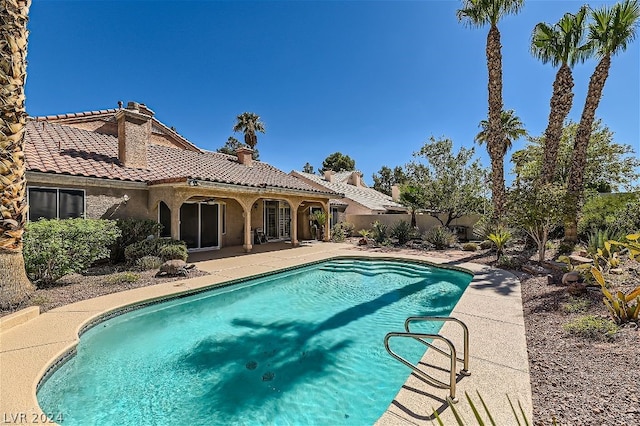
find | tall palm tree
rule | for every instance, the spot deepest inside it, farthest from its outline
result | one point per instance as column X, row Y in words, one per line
column 478, row 13
column 611, row 30
column 512, row 130
column 249, row 123
column 14, row 284
column 564, row 45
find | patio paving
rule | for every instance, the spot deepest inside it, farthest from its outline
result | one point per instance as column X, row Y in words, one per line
column 491, row 307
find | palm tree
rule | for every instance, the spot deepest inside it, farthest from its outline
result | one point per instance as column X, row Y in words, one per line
column 512, row 130
column 249, row 123
column 14, row 284
column 610, row 32
column 478, row 13
column 562, row 44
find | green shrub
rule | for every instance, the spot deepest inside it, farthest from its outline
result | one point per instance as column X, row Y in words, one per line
column 403, row 231
column 54, row 248
column 347, row 227
column 149, row 247
column 123, row 277
column 603, row 210
column 379, row 231
column 132, row 231
column 500, row 237
column 470, row 247
column 486, row 244
column 597, row 239
column 147, row 263
column 627, row 220
column 173, row 251
column 576, row 305
column 441, row 237
column 338, row 233
column 509, row 262
column 591, row 327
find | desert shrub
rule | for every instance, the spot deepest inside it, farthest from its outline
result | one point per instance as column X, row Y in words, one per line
column 338, row 233
column 147, row 263
column 123, row 277
column 576, row 305
column 403, row 231
column 500, row 237
column 601, row 212
column 132, row 231
column 173, row 251
column 470, row 247
column 149, row 247
column 54, row 248
column 591, row 327
column 379, row 231
column 627, row 220
column 441, row 237
column 597, row 238
column 509, row 262
column 347, row 227
column 486, row 244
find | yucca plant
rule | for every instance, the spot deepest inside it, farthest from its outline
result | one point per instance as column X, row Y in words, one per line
column 620, row 306
column 14, row 284
column 500, row 237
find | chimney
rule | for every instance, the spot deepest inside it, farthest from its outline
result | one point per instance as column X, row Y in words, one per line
column 354, row 179
column 328, row 175
column 134, row 133
column 245, row 156
column 395, row 192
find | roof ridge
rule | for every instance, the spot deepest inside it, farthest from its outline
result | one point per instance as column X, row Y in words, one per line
column 73, row 114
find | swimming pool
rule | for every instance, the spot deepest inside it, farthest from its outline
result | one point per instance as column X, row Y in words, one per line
column 299, row 347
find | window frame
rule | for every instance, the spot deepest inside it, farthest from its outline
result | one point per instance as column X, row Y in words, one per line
column 58, row 189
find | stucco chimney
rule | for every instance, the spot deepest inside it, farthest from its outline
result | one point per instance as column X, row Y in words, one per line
column 395, row 192
column 245, row 156
column 134, row 133
column 354, row 179
column 328, row 175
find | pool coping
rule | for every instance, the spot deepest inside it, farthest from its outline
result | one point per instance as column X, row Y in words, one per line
column 491, row 306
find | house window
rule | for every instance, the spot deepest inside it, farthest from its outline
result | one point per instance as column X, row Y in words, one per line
column 55, row 203
column 164, row 217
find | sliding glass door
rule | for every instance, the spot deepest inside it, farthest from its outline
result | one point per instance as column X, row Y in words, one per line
column 200, row 225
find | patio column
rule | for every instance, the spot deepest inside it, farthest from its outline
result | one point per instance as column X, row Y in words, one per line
column 327, row 224
column 247, row 246
column 294, row 222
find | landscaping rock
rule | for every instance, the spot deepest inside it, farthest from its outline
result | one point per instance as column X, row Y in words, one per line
column 173, row 268
column 577, row 260
column 571, row 278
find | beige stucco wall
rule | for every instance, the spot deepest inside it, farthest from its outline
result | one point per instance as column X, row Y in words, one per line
column 423, row 222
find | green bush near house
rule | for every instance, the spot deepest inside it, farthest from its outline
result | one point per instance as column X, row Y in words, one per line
column 150, row 247
column 54, row 248
column 379, row 231
column 338, row 234
column 441, row 237
column 147, row 263
column 173, row 251
column 123, row 277
column 132, row 231
column 403, row 231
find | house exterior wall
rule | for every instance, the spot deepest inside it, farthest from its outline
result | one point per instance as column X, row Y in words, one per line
column 423, row 222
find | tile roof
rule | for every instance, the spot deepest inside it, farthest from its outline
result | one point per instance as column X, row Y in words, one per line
column 60, row 149
column 363, row 195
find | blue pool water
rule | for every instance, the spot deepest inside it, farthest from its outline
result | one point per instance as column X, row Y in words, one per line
column 303, row 347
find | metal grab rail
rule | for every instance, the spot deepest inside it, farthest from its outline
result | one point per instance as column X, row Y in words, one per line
column 465, row 331
column 452, row 354
column 419, row 337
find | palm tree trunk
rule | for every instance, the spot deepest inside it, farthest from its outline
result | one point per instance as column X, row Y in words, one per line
column 561, row 102
column 575, row 183
column 14, row 284
column 495, row 142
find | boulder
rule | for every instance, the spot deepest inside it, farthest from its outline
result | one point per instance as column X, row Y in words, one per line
column 571, row 278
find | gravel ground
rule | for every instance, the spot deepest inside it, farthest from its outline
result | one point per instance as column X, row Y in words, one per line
column 577, row 380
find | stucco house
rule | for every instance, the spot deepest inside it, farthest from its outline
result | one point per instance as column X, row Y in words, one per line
column 123, row 162
column 358, row 198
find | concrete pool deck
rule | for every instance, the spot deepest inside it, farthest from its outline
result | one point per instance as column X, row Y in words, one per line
column 491, row 307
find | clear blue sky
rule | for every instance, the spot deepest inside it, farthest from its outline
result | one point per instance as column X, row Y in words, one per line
column 370, row 79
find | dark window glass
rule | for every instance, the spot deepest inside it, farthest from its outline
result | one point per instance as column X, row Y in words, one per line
column 189, row 224
column 165, row 220
column 209, row 226
column 42, row 203
column 224, row 218
column 71, row 204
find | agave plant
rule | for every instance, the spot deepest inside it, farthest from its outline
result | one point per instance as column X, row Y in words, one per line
column 620, row 305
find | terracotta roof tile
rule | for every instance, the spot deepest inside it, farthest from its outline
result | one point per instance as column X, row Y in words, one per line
column 56, row 148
